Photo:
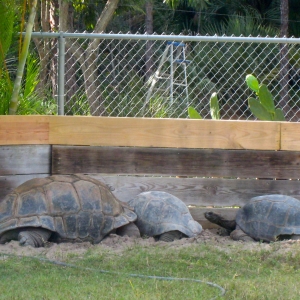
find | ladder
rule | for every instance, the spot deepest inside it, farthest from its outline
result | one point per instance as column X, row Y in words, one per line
column 175, row 53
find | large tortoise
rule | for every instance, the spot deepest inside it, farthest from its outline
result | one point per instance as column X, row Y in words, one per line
column 63, row 208
column 264, row 218
column 163, row 216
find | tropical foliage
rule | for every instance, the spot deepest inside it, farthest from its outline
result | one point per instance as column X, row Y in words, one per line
column 87, row 90
column 18, row 92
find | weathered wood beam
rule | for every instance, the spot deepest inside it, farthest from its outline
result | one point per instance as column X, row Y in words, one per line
column 176, row 162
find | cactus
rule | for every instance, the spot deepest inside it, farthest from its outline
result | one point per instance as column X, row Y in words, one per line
column 193, row 114
column 214, row 109
column 264, row 108
column 252, row 82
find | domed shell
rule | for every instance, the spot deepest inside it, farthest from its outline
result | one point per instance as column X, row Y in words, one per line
column 76, row 207
column 160, row 212
column 270, row 216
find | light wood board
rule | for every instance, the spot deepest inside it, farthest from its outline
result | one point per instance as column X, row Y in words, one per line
column 290, row 136
column 18, row 130
column 182, row 133
column 145, row 132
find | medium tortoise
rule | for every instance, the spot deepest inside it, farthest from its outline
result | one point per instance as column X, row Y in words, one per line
column 63, row 208
column 264, row 218
column 163, row 216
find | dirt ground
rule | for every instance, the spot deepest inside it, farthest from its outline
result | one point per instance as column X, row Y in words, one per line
column 118, row 244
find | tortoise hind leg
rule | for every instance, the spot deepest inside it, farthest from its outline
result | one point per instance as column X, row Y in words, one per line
column 35, row 237
column 171, row 236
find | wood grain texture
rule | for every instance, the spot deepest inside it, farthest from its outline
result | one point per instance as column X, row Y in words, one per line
column 181, row 133
column 290, row 136
column 141, row 132
column 8, row 183
column 18, row 130
column 25, row 159
column 176, row 162
column 214, row 192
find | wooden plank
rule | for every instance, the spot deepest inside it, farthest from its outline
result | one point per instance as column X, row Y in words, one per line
column 223, row 134
column 215, row 192
column 290, row 136
column 198, row 215
column 25, row 159
column 17, row 130
column 181, row 133
column 176, row 162
column 8, row 183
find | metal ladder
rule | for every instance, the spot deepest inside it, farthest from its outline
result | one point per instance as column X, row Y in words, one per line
column 177, row 59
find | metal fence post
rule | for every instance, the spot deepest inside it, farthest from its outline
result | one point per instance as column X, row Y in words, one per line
column 61, row 74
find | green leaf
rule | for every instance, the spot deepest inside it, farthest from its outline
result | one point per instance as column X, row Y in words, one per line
column 279, row 116
column 266, row 98
column 193, row 114
column 258, row 110
column 214, row 106
column 7, row 16
column 32, row 75
column 252, row 83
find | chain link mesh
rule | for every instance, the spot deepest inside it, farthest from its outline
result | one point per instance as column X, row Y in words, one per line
column 161, row 78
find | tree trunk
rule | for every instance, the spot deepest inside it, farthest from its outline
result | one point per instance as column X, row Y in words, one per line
column 97, row 107
column 66, row 14
column 284, row 60
column 149, row 30
column 54, row 21
column 43, row 47
column 86, row 58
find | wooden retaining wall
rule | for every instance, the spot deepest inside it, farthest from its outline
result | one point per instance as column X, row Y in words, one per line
column 208, row 164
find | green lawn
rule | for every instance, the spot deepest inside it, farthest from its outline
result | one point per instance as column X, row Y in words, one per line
column 271, row 273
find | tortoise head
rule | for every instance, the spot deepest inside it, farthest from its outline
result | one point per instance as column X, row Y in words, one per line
column 219, row 220
column 211, row 216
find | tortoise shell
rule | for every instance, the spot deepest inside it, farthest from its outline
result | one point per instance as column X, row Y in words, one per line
column 75, row 207
column 160, row 212
column 270, row 216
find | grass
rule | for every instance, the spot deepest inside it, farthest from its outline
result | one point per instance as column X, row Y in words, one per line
column 245, row 274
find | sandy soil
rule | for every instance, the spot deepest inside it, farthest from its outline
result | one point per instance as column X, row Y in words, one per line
column 118, row 244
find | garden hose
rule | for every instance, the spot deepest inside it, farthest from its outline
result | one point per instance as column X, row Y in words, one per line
column 55, row 262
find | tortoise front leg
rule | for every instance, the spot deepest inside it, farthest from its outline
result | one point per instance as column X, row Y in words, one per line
column 239, row 235
column 35, row 237
column 130, row 230
column 171, row 236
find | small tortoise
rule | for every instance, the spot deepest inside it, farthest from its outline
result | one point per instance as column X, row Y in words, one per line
column 62, row 208
column 264, row 218
column 163, row 216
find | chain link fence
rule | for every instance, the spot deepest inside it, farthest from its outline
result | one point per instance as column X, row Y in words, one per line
column 126, row 75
